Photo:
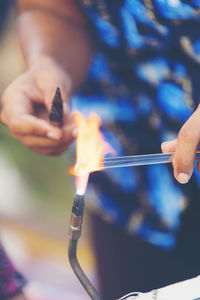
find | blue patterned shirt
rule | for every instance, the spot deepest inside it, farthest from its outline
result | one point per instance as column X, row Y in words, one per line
column 144, row 84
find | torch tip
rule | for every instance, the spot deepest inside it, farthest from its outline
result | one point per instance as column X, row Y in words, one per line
column 80, row 192
column 81, row 167
column 78, row 205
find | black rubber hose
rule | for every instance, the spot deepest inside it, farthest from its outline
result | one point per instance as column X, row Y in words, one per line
column 77, row 213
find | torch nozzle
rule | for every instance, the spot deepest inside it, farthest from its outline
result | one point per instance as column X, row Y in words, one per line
column 78, row 205
column 76, row 217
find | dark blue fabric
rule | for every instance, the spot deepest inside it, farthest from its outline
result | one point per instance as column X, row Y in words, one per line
column 4, row 8
column 144, row 84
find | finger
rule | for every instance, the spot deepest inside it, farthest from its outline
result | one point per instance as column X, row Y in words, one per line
column 36, row 141
column 188, row 140
column 69, row 130
column 31, row 125
column 68, row 135
column 32, row 141
column 42, row 151
column 168, row 147
column 51, row 151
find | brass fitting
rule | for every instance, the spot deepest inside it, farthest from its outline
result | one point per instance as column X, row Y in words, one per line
column 75, row 227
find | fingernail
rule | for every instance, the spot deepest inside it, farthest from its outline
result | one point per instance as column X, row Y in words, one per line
column 164, row 143
column 53, row 135
column 74, row 132
column 65, row 108
column 183, row 178
column 163, row 146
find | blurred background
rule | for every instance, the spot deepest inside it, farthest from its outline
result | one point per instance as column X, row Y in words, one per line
column 36, row 194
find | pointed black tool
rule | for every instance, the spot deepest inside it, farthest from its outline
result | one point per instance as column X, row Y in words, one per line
column 56, row 111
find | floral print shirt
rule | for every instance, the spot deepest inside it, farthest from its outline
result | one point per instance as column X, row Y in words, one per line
column 144, row 84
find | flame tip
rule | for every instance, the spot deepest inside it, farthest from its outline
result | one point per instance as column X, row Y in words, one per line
column 90, row 150
column 80, row 192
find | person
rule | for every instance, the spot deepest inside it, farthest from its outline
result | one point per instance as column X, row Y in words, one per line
column 136, row 63
column 11, row 281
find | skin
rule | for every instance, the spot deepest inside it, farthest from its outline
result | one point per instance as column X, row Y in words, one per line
column 53, row 35
column 185, row 147
column 26, row 101
column 58, row 54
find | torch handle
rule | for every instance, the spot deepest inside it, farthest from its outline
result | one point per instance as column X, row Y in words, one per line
column 74, row 235
column 79, row 272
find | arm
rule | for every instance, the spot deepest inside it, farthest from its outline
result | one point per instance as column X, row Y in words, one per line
column 55, row 29
column 57, row 48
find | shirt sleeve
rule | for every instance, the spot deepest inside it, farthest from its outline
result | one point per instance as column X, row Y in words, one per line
column 11, row 282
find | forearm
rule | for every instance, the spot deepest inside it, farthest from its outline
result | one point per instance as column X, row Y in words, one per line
column 47, row 33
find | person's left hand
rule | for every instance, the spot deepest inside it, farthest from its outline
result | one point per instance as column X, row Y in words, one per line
column 185, row 147
column 26, row 103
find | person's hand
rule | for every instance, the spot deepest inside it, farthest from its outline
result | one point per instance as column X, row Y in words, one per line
column 185, row 147
column 26, row 103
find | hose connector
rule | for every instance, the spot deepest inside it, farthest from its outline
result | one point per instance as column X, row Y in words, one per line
column 76, row 220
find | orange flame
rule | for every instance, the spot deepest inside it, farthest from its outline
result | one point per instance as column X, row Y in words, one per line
column 90, row 149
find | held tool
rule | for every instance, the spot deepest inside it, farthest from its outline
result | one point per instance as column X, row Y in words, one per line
column 56, row 110
column 139, row 160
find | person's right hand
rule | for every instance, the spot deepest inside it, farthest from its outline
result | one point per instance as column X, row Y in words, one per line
column 26, row 103
column 185, row 147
